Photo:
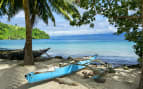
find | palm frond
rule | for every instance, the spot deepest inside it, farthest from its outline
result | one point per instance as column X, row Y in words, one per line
column 43, row 9
column 64, row 8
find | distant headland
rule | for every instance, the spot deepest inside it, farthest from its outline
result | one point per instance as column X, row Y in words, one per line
column 10, row 32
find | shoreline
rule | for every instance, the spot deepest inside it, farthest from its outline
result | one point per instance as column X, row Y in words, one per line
column 106, row 59
column 12, row 76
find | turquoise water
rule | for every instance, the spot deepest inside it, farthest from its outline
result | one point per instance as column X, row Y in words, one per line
column 113, row 51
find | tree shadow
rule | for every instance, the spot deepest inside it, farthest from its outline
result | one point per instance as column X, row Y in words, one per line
column 30, row 85
column 74, row 77
column 70, row 76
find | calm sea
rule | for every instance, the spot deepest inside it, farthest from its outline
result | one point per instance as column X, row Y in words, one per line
column 112, row 51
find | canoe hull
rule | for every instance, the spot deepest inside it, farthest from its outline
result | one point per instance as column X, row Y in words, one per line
column 59, row 72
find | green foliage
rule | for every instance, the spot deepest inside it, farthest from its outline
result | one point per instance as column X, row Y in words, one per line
column 15, row 32
column 42, row 9
column 125, row 15
column 89, row 15
column 38, row 34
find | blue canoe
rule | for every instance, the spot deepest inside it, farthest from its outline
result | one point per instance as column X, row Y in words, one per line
column 59, row 72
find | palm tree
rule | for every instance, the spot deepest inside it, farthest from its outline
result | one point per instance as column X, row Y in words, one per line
column 42, row 9
column 28, row 57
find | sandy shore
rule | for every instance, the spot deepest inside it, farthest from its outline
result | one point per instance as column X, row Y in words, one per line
column 12, row 77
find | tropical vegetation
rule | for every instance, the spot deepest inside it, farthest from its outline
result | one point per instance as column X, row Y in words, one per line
column 10, row 32
column 125, row 15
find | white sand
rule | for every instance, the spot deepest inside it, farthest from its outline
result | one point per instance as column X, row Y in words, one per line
column 12, row 77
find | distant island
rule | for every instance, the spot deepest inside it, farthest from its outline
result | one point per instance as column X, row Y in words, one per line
column 10, row 32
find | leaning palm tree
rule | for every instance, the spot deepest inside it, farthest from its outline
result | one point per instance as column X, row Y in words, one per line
column 41, row 9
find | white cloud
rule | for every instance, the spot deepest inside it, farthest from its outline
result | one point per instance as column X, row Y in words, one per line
column 112, row 28
column 20, row 14
column 63, row 28
column 76, row 32
column 99, row 29
column 70, row 32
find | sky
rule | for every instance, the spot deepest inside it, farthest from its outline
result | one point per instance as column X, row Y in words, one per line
column 62, row 26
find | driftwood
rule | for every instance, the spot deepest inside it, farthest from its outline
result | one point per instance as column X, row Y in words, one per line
column 66, row 81
column 18, row 54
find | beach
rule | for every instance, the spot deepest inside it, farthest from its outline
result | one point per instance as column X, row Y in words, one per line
column 71, row 44
column 13, row 72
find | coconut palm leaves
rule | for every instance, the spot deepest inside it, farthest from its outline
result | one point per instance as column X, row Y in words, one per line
column 42, row 9
column 9, row 7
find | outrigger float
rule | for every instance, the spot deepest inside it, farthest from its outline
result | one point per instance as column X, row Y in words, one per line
column 58, row 72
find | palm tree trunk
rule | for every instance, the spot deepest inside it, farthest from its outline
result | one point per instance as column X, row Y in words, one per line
column 28, row 57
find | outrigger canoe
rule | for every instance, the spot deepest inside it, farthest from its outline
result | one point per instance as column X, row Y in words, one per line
column 59, row 72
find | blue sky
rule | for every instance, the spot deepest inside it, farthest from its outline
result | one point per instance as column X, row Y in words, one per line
column 63, row 27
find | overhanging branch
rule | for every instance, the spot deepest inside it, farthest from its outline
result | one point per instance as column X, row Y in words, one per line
column 128, row 17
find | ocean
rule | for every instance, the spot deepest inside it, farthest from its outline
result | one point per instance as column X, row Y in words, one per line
column 111, row 49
